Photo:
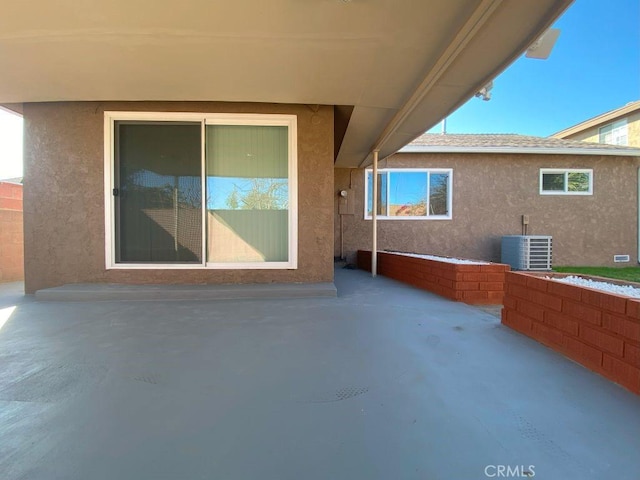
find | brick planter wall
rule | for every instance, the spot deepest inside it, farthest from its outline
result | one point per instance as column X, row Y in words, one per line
column 597, row 329
column 473, row 284
column 11, row 234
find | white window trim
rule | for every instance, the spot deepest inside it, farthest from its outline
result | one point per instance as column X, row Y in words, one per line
column 449, row 171
column 290, row 121
column 566, row 172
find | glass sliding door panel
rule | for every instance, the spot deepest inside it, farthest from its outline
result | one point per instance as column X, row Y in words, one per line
column 159, row 198
column 247, row 193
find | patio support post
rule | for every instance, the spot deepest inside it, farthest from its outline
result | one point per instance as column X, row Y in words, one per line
column 374, row 217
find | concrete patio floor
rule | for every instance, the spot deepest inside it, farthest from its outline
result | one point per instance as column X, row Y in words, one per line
column 382, row 382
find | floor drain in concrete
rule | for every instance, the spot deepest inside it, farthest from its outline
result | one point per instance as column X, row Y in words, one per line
column 350, row 392
column 151, row 379
column 335, row 396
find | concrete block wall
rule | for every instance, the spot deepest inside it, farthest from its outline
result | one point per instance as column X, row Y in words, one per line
column 11, row 233
column 597, row 329
column 473, row 284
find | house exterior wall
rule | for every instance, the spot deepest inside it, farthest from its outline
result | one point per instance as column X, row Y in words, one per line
column 593, row 134
column 64, row 198
column 490, row 195
column 11, row 237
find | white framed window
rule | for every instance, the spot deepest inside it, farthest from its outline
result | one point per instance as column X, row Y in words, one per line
column 200, row 190
column 410, row 194
column 572, row 181
column 614, row 133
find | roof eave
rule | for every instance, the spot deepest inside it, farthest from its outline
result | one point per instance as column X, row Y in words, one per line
column 598, row 120
column 520, row 150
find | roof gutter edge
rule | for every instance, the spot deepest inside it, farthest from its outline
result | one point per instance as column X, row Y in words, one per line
column 527, row 150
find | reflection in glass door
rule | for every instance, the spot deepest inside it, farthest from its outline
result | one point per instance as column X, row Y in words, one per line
column 158, row 194
column 247, row 193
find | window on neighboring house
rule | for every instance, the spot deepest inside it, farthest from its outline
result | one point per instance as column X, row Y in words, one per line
column 200, row 190
column 418, row 194
column 566, row 181
column 614, row 133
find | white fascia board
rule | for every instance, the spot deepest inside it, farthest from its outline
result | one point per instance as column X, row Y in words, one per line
column 512, row 150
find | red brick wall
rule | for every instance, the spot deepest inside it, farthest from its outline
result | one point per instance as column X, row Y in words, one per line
column 473, row 284
column 11, row 236
column 596, row 329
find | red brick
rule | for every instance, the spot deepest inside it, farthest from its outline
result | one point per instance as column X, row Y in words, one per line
column 459, row 295
column 607, row 301
column 517, row 321
column 614, row 303
column 493, row 268
column 476, row 277
column 565, row 290
column 491, row 286
column 547, row 335
column 632, row 355
column 582, row 312
column 622, row 325
column 591, row 297
column 455, row 276
column 495, row 298
column 531, row 310
column 364, row 260
column 583, row 353
column 633, row 308
column 438, row 272
column 445, row 282
column 537, row 283
column 10, row 204
column 561, row 322
column 516, row 278
column 518, row 291
column 602, row 340
column 494, row 277
column 472, row 296
column 622, row 373
column 510, row 302
column 549, row 301
column 468, row 268
column 467, row 285
column 431, row 278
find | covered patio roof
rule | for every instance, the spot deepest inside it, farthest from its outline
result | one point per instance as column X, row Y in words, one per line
column 394, row 68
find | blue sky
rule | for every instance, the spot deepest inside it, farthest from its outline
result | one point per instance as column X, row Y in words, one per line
column 594, row 67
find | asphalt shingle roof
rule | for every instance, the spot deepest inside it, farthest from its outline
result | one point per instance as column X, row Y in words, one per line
column 511, row 141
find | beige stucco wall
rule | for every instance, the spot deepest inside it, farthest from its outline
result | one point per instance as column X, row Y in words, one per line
column 593, row 134
column 64, row 195
column 490, row 195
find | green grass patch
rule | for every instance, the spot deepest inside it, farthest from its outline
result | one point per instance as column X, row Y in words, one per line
column 630, row 274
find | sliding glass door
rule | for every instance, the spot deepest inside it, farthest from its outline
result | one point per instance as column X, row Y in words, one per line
column 219, row 192
column 247, row 193
column 159, row 193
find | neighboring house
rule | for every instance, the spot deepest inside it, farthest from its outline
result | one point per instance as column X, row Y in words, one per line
column 11, row 237
column 617, row 127
column 457, row 195
column 196, row 143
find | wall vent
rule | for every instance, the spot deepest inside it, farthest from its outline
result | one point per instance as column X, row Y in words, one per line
column 527, row 252
column 621, row 258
